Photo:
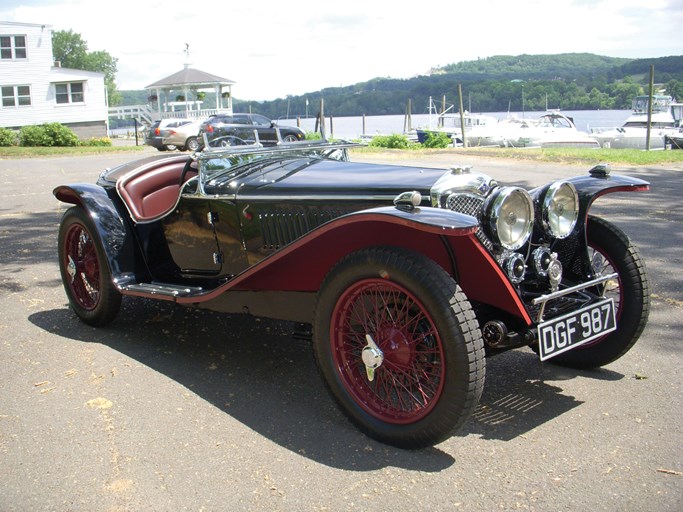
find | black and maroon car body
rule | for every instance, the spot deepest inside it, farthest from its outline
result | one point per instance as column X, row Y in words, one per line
column 407, row 276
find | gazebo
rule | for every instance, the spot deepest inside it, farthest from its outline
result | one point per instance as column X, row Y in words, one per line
column 182, row 93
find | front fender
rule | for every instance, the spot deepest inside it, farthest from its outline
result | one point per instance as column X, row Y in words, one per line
column 447, row 237
column 591, row 187
column 117, row 239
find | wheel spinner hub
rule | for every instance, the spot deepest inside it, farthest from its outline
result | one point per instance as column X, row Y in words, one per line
column 372, row 356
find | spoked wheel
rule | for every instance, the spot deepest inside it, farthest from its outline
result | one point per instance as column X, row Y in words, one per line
column 290, row 138
column 610, row 250
column 399, row 346
column 84, row 270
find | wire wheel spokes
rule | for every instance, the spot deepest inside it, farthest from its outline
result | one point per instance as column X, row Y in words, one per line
column 82, row 266
column 409, row 380
column 603, row 266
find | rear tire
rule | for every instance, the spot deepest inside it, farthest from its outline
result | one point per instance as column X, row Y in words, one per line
column 192, row 144
column 611, row 251
column 428, row 345
column 85, row 272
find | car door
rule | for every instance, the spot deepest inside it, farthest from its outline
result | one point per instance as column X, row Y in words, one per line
column 241, row 127
column 190, row 233
column 264, row 126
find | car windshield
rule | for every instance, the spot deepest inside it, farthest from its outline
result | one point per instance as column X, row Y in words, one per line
column 224, row 166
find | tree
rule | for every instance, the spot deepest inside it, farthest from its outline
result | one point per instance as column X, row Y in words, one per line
column 71, row 51
column 675, row 89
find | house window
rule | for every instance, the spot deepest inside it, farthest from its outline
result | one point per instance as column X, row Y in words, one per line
column 69, row 93
column 12, row 47
column 16, row 95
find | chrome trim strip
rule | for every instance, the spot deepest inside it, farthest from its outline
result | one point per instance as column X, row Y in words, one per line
column 267, row 198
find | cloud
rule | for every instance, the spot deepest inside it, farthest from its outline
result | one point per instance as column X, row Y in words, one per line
column 274, row 48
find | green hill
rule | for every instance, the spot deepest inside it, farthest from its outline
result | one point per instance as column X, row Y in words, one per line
column 570, row 81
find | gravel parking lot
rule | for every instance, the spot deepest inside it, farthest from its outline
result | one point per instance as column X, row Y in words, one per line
column 176, row 409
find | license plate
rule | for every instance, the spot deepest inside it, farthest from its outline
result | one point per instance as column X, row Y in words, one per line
column 576, row 328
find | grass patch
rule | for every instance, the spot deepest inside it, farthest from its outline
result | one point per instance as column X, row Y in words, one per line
column 555, row 155
column 43, row 151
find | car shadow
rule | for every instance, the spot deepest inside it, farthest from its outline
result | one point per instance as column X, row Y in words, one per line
column 256, row 371
column 518, row 396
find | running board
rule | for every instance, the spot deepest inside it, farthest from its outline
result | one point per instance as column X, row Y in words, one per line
column 163, row 289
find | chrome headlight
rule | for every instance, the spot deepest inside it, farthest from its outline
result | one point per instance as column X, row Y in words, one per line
column 560, row 209
column 509, row 217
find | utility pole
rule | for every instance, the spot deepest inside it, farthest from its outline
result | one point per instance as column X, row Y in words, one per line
column 649, row 107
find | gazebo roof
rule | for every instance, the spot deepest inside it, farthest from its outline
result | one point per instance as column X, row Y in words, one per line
column 190, row 77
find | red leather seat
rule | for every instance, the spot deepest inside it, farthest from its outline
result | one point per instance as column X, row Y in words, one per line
column 153, row 192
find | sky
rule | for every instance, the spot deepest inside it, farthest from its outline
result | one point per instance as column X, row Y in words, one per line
column 273, row 49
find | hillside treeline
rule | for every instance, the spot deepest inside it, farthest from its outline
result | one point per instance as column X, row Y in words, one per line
column 493, row 84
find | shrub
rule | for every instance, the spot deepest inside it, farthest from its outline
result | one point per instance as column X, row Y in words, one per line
column 389, row 141
column 49, row 134
column 7, row 137
column 100, row 141
column 61, row 135
column 437, row 140
column 33, row 135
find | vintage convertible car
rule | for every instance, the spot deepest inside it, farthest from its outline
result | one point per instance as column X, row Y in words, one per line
column 407, row 277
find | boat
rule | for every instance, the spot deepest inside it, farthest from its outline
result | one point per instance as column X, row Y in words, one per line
column 450, row 122
column 633, row 133
column 553, row 129
column 674, row 141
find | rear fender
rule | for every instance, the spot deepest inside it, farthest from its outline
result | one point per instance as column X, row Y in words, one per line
column 446, row 237
column 116, row 236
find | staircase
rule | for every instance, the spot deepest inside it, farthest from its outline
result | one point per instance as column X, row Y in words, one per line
column 140, row 112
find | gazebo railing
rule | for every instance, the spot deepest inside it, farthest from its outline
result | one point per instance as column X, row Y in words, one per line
column 193, row 114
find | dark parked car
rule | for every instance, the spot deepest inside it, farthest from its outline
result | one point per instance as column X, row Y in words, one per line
column 160, row 129
column 239, row 129
column 407, row 276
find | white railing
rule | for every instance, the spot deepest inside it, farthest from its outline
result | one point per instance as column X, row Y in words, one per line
column 140, row 112
column 191, row 114
column 146, row 115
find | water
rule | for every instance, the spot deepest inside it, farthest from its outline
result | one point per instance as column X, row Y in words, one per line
column 352, row 127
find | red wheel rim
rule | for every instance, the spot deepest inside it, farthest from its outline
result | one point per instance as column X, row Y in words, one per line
column 82, row 267
column 410, row 380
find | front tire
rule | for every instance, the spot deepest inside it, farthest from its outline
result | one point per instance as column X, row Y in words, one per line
column 610, row 250
column 399, row 347
column 84, row 269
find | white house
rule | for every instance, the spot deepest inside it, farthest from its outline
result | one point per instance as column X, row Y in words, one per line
column 36, row 90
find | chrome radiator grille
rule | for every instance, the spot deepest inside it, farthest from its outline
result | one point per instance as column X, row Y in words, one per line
column 469, row 205
column 464, row 203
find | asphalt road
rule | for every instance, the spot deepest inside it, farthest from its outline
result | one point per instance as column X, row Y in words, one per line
column 175, row 409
